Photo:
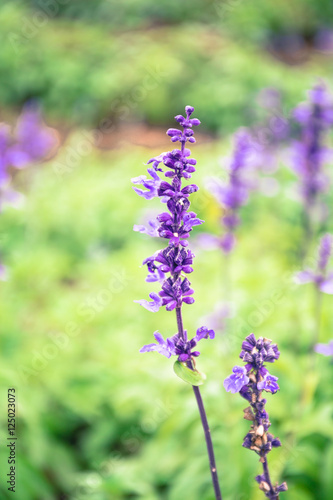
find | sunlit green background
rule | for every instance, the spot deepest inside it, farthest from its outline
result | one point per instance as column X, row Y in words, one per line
column 96, row 419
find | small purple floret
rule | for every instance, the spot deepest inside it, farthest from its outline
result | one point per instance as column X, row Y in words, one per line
column 237, row 380
column 152, row 306
column 177, row 346
column 269, row 384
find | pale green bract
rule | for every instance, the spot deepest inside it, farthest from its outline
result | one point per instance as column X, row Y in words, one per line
column 192, row 377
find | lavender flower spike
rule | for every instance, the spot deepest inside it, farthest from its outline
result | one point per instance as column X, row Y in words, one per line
column 170, row 266
column 233, row 194
column 309, row 153
column 250, row 381
column 29, row 142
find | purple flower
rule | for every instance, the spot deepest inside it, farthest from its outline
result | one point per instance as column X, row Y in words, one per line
column 325, row 251
column 174, row 293
column 164, row 347
column 33, row 138
column 154, row 272
column 151, row 230
column 228, row 242
column 151, row 185
column 250, row 381
column 233, row 194
column 3, row 272
column 204, row 333
column 152, row 306
column 175, row 260
column 325, row 349
column 156, row 162
column 268, row 384
column 309, row 154
column 178, row 346
column 170, row 264
column 237, row 380
column 257, row 352
column 184, row 348
column 29, row 142
column 322, row 279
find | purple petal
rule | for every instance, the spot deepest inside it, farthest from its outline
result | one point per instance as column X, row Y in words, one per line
column 325, row 349
column 236, row 380
column 327, row 285
column 3, row 273
column 204, row 333
column 305, row 277
column 151, row 306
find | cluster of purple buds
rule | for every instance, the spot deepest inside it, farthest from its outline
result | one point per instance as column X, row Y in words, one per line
column 29, row 142
column 321, row 277
column 250, row 381
column 178, row 346
column 309, row 153
column 170, row 265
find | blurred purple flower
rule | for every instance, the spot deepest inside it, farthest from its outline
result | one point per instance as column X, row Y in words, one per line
column 324, row 40
column 32, row 137
column 325, row 349
column 309, row 154
column 322, row 279
column 31, row 141
column 233, row 194
column 3, row 272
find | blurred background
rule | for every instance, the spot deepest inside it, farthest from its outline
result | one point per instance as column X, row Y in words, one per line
column 96, row 419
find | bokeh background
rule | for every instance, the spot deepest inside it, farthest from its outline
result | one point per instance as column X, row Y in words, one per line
column 96, row 419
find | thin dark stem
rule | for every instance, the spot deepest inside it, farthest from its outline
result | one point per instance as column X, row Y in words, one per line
column 180, row 322
column 273, row 495
column 203, row 417
column 209, row 443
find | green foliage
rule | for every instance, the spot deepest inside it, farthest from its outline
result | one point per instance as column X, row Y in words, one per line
column 98, row 420
column 86, row 73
